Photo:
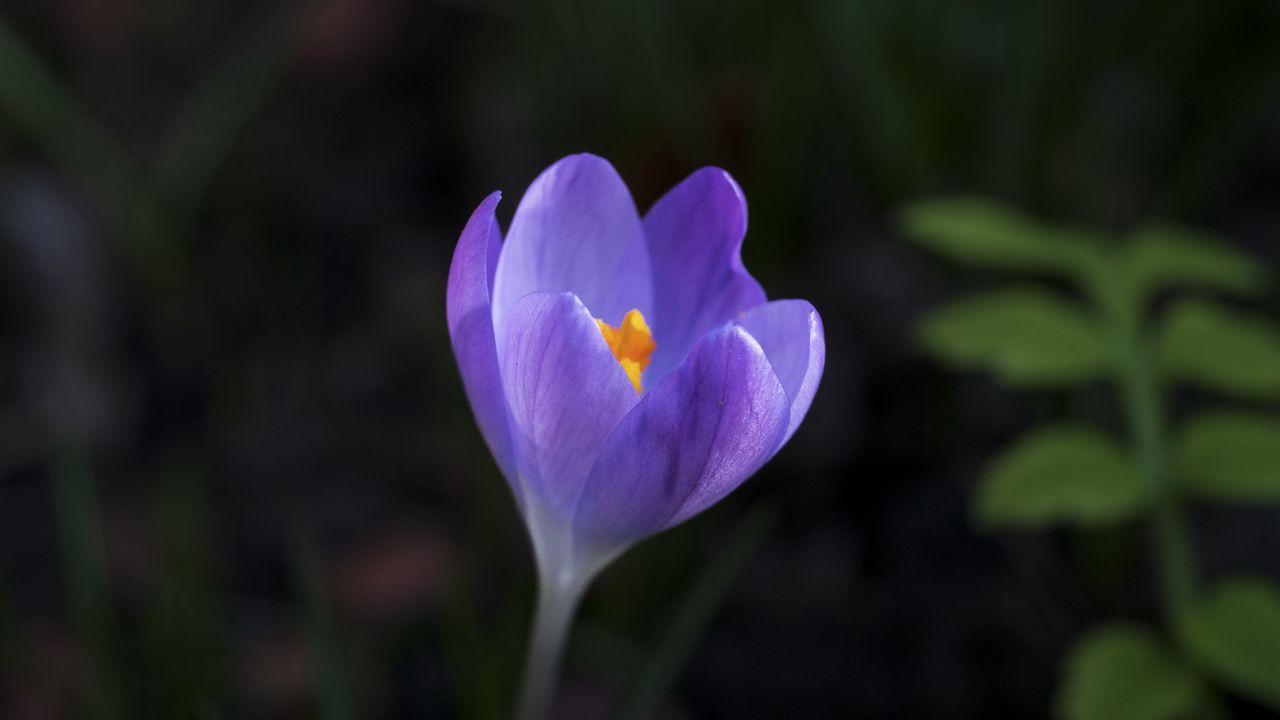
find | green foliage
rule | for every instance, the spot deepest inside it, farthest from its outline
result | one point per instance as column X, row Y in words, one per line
column 1076, row 475
column 1061, row 473
column 1206, row 344
column 1161, row 255
column 1231, row 456
column 1026, row 336
column 1233, row 633
column 988, row 233
column 1121, row 671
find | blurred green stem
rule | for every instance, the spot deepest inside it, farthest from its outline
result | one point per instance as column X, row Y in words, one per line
column 84, row 562
column 1169, row 532
column 688, row 623
column 852, row 37
column 557, row 603
column 1140, row 389
column 334, row 700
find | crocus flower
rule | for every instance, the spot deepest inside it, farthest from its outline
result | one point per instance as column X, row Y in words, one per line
column 626, row 372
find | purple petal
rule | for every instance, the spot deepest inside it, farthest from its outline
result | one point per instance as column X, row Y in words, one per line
column 693, row 438
column 576, row 230
column 471, row 329
column 565, row 391
column 695, row 236
column 790, row 331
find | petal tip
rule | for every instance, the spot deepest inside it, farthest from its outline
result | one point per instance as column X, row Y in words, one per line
column 583, row 160
column 717, row 180
column 488, row 205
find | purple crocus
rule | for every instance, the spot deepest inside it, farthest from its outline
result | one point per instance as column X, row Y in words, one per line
column 627, row 373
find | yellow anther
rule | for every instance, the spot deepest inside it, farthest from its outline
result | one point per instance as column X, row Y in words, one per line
column 631, row 343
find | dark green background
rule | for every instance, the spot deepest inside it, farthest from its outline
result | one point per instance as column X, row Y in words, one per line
column 224, row 235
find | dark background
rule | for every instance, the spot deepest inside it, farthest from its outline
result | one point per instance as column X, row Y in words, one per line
column 225, row 230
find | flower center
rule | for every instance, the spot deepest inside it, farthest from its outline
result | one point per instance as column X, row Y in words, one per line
column 631, row 342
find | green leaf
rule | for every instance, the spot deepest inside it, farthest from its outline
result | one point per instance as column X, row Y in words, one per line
column 1207, row 344
column 219, row 108
column 1062, row 473
column 36, row 101
column 1122, row 671
column 1027, row 337
column 988, row 233
column 1161, row 255
column 1230, row 456
column 1233, row 634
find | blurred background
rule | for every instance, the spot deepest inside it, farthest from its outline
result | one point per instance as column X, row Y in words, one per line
column 239, row 477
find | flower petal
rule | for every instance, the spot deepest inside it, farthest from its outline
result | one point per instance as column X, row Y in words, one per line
column 695, row 236
column 565, row 391
column 471, row 329
column 576, row 230
column 790, row 331
column 693, row 438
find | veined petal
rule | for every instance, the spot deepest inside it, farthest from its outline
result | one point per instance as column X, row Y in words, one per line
column 576, row 230
column 692, row 439
column 790, row 331
column 471, row 329
column 695, row 236
column 565, row 391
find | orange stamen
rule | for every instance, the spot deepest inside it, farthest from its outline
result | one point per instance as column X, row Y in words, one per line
column 631, row 343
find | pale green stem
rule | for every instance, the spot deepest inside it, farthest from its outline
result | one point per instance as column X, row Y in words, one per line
column 557, row 603
column 565, row 569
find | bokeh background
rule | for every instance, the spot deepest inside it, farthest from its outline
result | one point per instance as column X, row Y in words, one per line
column 238, row 475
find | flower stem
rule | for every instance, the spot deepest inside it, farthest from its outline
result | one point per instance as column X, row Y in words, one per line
column 557, row 603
